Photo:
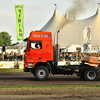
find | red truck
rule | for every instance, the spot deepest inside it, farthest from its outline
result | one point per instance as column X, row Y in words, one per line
column 41, row 59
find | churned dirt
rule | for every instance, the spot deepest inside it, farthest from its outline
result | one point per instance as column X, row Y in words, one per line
column 18, row 77
column 50, row 94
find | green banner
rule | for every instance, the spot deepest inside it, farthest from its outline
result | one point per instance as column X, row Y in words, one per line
column 19, row 22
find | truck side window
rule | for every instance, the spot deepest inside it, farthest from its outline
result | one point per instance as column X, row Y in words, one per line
column 35, row 44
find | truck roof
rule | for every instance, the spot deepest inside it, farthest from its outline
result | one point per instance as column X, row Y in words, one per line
column 39, row 35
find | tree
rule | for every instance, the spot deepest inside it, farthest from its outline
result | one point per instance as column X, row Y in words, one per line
column 5, row 39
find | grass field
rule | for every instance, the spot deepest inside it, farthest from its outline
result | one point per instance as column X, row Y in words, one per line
column 54, row 87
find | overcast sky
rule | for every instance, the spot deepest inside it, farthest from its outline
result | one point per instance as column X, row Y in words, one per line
column 37, row 13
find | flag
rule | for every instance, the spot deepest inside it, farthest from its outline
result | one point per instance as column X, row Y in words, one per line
column 19, row 22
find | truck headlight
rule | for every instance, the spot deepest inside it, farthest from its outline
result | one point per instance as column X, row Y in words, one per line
column 30, row 65
column 25, row 65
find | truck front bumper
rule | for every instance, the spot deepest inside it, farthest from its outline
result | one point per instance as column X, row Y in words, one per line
column 27, row 69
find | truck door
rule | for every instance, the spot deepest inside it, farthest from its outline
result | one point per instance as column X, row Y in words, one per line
column 35, row 51
column 47, row 50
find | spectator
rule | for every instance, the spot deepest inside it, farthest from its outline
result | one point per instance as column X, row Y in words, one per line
column 11, row 56
column 2, row 57
column 79, row 57
column 8, row 56
column 19, row 56
column 73, row 57
column 5, row 56
column 70, row 56
column 76, row 56
column 82, row 56
column 66, row 57
column 61, row 58
column 15, row 56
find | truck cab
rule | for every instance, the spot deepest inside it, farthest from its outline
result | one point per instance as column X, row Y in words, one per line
column 39, row 51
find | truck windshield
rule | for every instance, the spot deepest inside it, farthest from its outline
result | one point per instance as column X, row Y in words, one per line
column 35, row 45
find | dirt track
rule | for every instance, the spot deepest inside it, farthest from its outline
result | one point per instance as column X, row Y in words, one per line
column 20, row 78
column 50, row 94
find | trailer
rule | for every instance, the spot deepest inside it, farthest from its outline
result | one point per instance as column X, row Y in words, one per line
column 41, row 59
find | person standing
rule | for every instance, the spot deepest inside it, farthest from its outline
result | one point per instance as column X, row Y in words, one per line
column 5, row 56
column 11, row 56
column 15, row 56
column 66, row 57
column 2, row 57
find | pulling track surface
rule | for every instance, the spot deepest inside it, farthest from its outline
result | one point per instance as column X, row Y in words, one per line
column 22, row 78
column 12, row 78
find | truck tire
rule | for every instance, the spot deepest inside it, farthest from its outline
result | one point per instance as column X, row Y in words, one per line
column 41, row 73
column 91, row 74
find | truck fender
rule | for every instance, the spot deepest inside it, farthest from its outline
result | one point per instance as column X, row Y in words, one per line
column 43, row 63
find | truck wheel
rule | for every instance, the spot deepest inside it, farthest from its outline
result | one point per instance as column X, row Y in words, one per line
column 91, row 74
column 41, row 73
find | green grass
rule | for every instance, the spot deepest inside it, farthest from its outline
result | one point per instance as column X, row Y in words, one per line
column 9, row 69
column 53, row 87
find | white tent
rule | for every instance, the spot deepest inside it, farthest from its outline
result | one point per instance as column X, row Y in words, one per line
column 73, row 48
column 71, row 30
column 22, row 44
